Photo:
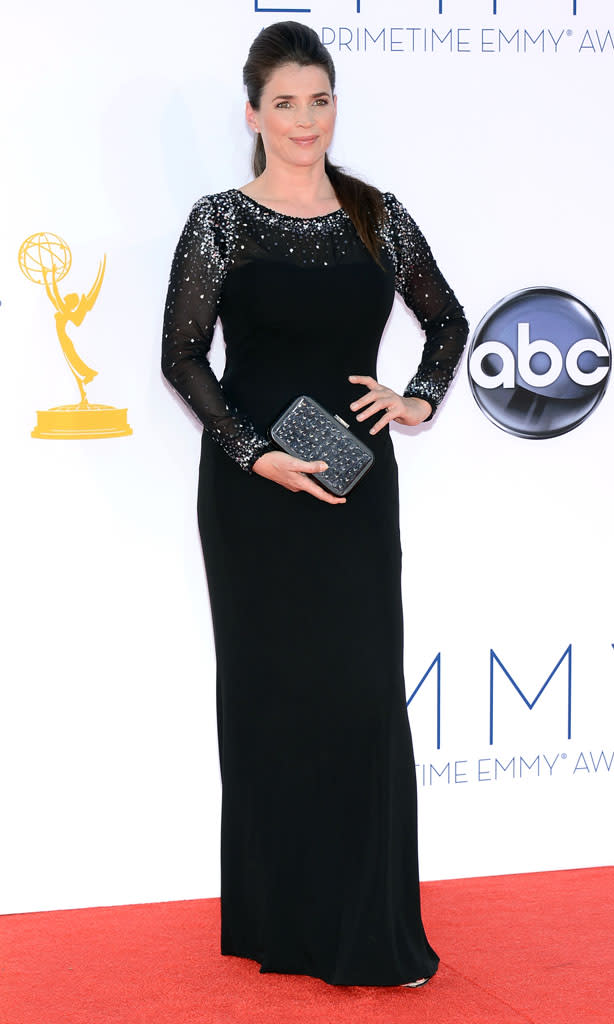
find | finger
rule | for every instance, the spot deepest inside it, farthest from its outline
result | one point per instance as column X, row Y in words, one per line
column 377, row 426
column 356, row 378
column 369, row 396
column 312, row 487
column 373, row 395
column 301, row 466
column 380, row 403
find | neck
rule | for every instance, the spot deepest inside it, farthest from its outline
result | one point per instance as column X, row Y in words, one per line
column 302, row 184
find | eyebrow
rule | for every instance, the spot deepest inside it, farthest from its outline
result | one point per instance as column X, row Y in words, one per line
column 313, row 96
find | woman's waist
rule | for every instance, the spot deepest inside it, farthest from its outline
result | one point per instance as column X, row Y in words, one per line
column 265, row 399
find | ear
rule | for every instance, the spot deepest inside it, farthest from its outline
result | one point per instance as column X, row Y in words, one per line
column 335, row 102
column 251, row 116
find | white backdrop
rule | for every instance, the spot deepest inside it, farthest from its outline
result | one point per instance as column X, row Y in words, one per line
column 502, row 151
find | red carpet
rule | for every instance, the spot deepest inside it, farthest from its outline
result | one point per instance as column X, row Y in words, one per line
column 515, row 949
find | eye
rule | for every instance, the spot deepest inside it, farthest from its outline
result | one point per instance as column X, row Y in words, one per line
column 282, row 104
column 322, row 101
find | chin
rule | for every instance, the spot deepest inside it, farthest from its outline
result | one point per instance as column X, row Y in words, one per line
column 306, row 157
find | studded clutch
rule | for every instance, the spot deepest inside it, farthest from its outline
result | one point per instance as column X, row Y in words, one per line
column 308, row 431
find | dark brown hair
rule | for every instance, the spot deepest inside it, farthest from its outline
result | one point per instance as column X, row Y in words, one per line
column 290, row 42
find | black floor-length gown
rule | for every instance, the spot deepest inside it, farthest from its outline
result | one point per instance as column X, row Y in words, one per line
column 319, row 861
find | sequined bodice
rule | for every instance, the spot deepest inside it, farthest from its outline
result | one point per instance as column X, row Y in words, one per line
column 302, row 304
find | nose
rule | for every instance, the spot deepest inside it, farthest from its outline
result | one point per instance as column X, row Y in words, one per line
column 304, row 117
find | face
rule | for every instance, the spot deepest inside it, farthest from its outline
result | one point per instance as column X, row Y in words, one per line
column 296, row 116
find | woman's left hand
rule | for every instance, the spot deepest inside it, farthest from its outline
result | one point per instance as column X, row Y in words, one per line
column 409, row 411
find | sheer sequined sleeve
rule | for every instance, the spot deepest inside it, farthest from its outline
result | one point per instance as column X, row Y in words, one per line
column 191, row 310
column 426, row 292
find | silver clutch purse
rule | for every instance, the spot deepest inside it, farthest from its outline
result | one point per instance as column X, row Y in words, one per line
column 308, row 431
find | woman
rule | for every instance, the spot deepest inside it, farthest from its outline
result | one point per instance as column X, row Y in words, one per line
column 318, row 847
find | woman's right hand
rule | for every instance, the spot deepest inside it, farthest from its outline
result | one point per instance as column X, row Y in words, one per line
column 293, row 474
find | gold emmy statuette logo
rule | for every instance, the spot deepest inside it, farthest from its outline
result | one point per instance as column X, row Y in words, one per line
column 45, row 259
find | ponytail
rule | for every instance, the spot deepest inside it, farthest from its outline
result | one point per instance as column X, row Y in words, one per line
column 259, row 157
column 363, row 204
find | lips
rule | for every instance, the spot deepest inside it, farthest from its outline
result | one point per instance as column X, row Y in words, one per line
column 304, row 140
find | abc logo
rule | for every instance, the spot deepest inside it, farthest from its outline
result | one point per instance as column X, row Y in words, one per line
column 539, row 363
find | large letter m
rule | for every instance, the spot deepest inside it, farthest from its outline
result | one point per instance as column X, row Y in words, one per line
column 529, row 703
